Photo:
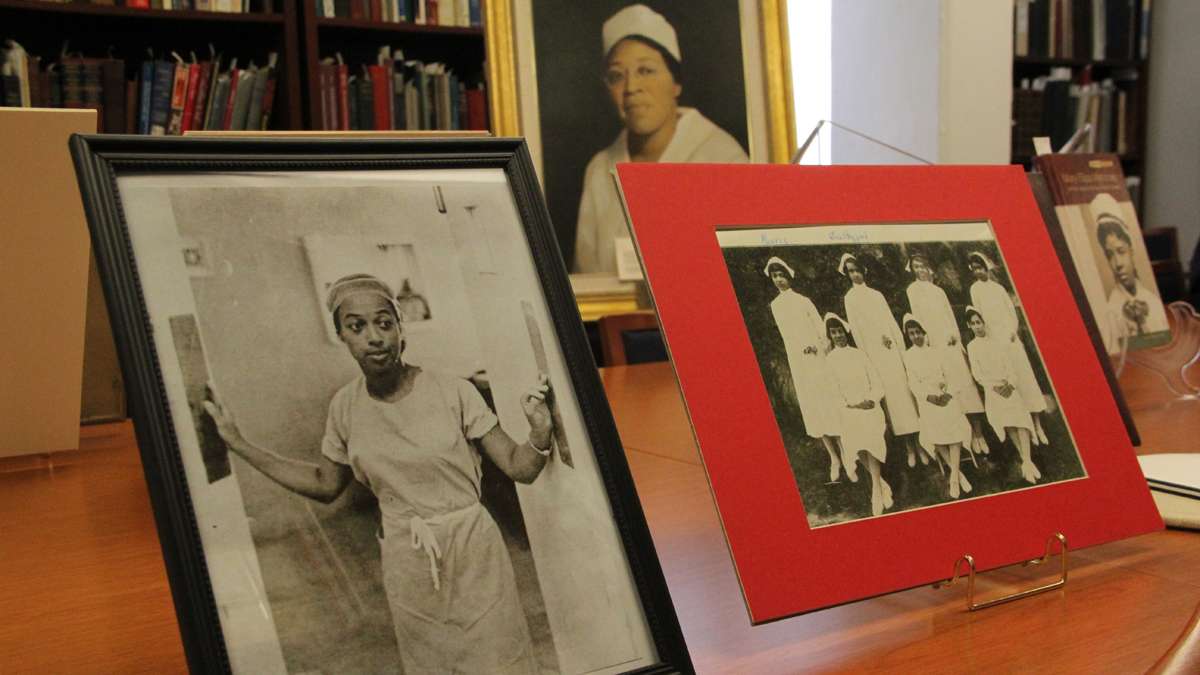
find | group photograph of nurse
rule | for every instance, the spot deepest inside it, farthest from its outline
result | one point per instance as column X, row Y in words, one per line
column 900, row 367
column 369, row 366
column 618, row 81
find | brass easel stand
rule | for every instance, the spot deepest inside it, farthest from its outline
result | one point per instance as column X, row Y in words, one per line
column 972, row 605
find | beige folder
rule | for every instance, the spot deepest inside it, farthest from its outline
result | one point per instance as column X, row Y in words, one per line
column 43, row 280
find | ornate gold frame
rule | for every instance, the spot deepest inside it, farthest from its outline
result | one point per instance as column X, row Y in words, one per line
column 502, row 74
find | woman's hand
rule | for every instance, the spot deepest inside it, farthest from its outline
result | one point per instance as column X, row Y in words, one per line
column 887, row 342
column 226, row 426
column 952, row 341
column 810, row 350
column 535, row 404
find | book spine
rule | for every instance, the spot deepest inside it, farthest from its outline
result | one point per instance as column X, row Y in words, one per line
column 179, row 92
column 254, row 112
column 342, row 97
column 131, row 107
column 200, row 104
column 381, row 97
column 268, row 102
column 160, row 103
column 113, row 92
column 234, row 84
column 476, row 16
column 189, row 101
column 376, row 10
column 145, row 97
column 241, row 105
column 476, row 109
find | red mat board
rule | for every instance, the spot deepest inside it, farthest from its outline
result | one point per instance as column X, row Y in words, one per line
column 785, row 566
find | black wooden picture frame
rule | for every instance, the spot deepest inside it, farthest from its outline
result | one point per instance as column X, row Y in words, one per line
column 101, row 160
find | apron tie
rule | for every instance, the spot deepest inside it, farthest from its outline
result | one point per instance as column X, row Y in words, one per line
column 423, row 537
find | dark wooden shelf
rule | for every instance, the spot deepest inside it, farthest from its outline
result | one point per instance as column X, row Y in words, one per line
column 1042, row 61
column 401, row 27
column 83, row 9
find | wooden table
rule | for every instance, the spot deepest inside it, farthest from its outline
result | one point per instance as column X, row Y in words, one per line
column 82, row 586
column 1125, row 604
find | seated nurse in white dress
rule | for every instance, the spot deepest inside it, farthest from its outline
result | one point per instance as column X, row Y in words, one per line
column 931, row 307
column 992, row 366
column 410, row 436
column 944, row 426
column 996, row 307
column 643, row 74
column 858, row 390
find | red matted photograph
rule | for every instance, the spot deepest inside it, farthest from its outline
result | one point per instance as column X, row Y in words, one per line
column 885, row 369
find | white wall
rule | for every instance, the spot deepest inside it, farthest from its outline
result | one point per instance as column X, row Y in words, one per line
column 885, row 79
column 976, row 77
column 1172, row 187
column 933, row 77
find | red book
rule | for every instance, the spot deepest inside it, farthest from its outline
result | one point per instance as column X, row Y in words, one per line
column 358, row 9
column 376, row 8
column 477, row 109
column 227, row 117
column 138, row 4
column 431, row 12
column 189, row 102
column 381, row 89
column 201, row 102
column 343, row 97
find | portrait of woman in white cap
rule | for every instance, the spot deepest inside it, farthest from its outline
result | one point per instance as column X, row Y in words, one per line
column 944, row 426
column 993, row 303
column 1133, row 309
column 858, row 390
column 877, row 334
column 642, row 74
column 932, row 309
column 413, row 438
column 805, row 343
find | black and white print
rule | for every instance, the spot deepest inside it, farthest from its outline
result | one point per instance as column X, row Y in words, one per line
column 379, row 481
column 899, row 364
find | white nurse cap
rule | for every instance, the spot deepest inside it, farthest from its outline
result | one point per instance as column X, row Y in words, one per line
column 642, row 21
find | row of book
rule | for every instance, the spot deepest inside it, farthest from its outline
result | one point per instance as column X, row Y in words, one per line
column 394, row 93
column 462, row 13
column 227, row 6
column 164, row 97
column 1082, row 29
column 1057, row 106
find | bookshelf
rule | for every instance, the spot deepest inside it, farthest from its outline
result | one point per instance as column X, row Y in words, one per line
column 1069, row 52
column 289, row 28
column 126, row 33
column 358, row 41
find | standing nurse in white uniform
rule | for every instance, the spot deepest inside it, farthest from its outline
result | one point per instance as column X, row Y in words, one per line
column 805, row 343
column 643, row 66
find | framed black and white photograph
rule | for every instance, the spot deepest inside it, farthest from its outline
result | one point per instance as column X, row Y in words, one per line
column 645, row 81
column 899, row 364
column 372, row 431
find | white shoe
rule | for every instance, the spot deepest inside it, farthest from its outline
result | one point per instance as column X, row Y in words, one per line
column 1034, row 470
column 876, row 504
column 1041, row 434
column 953, row 489
column 964, row 483
column 1027, row 473
column 887, row 493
